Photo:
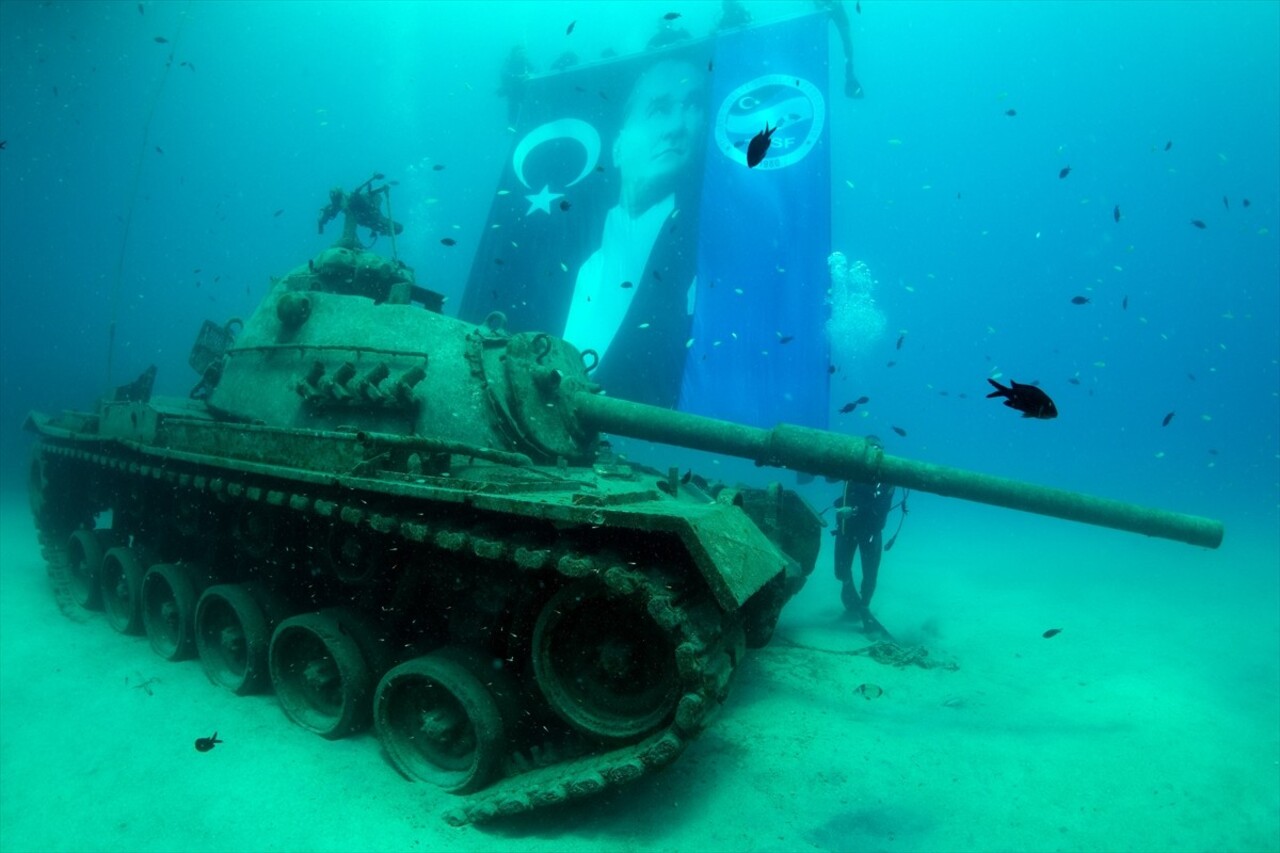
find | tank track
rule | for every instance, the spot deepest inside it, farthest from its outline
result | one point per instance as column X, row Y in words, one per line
column 708, row 643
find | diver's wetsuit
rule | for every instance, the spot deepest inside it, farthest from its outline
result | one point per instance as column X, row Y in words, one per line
column 872, row 502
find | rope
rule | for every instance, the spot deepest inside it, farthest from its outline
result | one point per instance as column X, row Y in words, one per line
column 133, row 193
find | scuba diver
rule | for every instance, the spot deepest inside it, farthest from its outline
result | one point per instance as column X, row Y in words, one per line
column 861, row 512
column 363, row 207
column 840, row 18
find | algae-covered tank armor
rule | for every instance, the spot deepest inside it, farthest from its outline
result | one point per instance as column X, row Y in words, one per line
column 393, row 518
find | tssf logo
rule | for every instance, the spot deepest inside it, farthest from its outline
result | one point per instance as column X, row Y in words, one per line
column 793, row 104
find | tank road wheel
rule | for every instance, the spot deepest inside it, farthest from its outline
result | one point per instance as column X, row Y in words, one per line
column 440, row 723
column 320, row 674
column 603, row 664
column 169, row 610
column 84, row 562
column 233, row 635
column 121, row 583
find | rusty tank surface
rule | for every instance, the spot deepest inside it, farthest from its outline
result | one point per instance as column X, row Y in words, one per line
column 394, row 519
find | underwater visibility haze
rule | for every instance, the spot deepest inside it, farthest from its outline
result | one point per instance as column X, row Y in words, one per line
column 1073, row 205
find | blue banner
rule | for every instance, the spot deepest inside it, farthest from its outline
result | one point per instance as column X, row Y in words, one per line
column 627, row 222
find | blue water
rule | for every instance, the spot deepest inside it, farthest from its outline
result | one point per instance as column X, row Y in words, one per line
column 218, row 166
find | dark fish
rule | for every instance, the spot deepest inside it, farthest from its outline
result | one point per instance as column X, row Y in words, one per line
column 185, row 64
column 311, row 265
column 657, row 275
column 1115, row 214
column 55, row 91
column 159, row 150
column 670, row 16
column 900, row 431
column 438, row 167
column 161, row 40
column 569, row 29
column 564, row 204
column 278, row 212
column 3, row 143
column 1124, row 303
column 1073, row 381
column 1028, row 399
column 1212, row 452
column 204, row 744
column 1225, row 203
column 140, row 11
column 831, row 368
column 1079, row 300
column 1191, row 376
column 759, row 145
column 901, row 338
column 1244, row 202
column 786, row 339
column 1011, row 113
column 711, row 64
column 1197, row 223
column 857, row 7
column 862, row 401
column 448, row 241
column 499, row 261
column 627, row 284
column 688, row 475
column 1168, row 145
column 890, row 364
column 1064, row 171
column 1052, row 632
column 1166, row 420
column 847, row 408
column 869, row 691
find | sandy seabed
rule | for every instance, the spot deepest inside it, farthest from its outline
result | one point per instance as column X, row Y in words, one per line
column 1152, row 722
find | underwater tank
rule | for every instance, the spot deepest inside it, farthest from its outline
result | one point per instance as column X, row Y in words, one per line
column 395, row 519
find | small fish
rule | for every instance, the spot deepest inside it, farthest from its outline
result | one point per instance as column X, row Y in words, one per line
column 161, row 40
column 278, row 212
column 564, row 204
column 1073, row 381
column 1052, row 632
column 3, row 143
column 311, row 266
column 185, row 64
column 569, row 29
column 759, row 145
column 857, row 7
column 688, row 475
column 785, row 339
column 204, row 744
column 1115, row 214
column 901, row 338
column 869, row 691
column 899, row 430
column 890, row 364
column 1063, row 172
column 1168, row 145
column 657, row 275
column 711, row 64
column 448, row 241
column 627, row 284
column 499, row 261
column 847, row 408
column 1079, row 300
column 1166, row 420
column 1011, row 113
column 1191, row 376
column 1244, row 202
column 1225, row 203
column 1124, row 303
column 831, row 368
column 670, row 16
column 159, row 150
column 862, row 401
column 438, row 167
column 1028, row 399
column 1197, row 223
column 141, row 11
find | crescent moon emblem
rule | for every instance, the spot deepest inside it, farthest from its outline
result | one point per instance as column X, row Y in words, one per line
column 563, row 128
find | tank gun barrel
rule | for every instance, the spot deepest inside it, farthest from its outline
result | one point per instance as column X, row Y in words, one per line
column 851, row 458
